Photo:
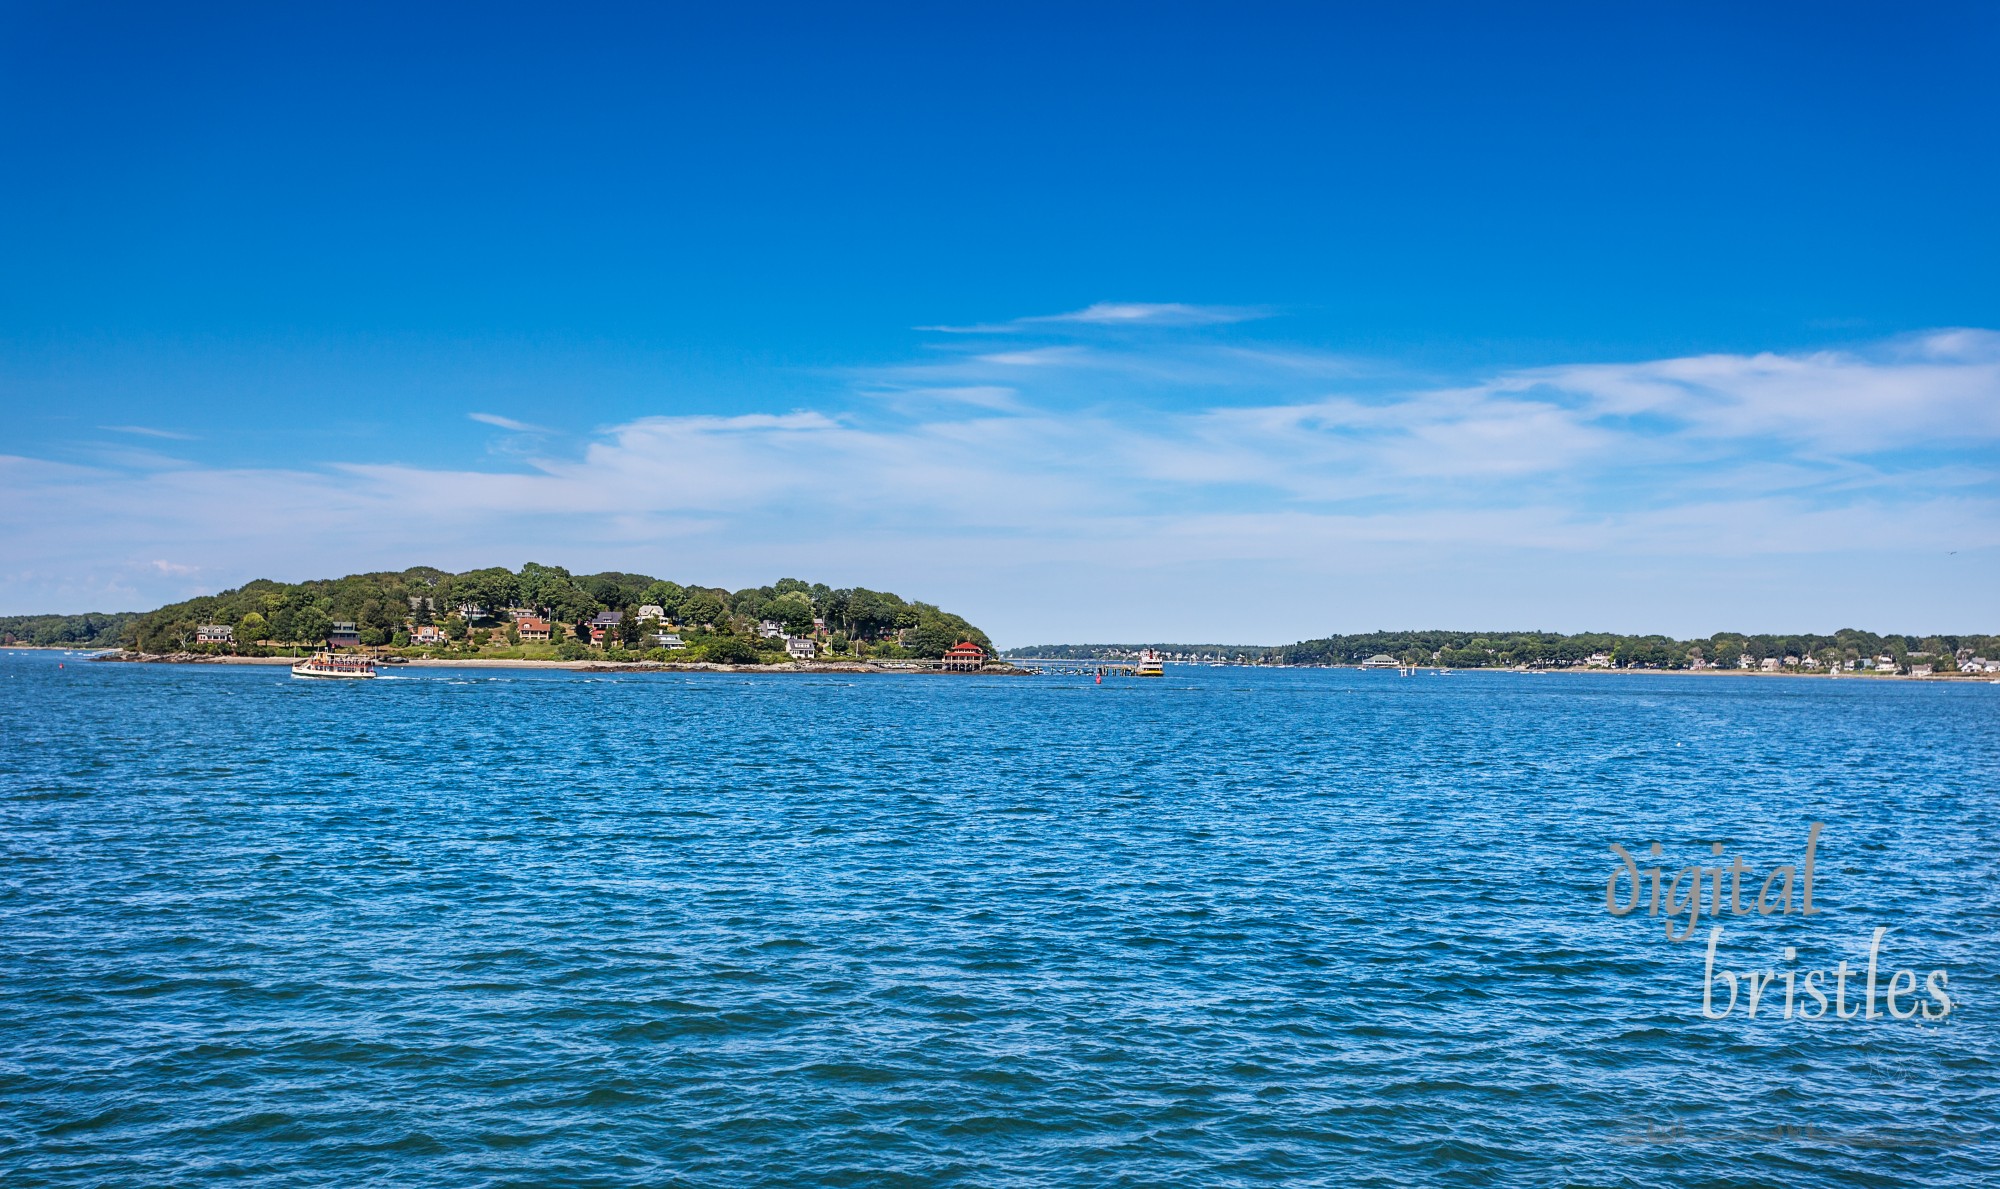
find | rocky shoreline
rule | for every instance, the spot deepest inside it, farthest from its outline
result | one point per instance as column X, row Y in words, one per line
column 782, row 667
column 126, row 656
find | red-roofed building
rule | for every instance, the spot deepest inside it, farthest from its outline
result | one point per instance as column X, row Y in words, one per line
column 532, row 628
column 964, row 655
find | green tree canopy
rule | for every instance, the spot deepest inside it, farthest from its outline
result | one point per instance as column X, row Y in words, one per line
column 383, row 604
column 793, row 611
column 702, row 607
column 664, row 595
column 492, row 588
column 310, row 625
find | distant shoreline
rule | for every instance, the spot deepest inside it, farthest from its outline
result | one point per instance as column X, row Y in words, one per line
column 1872, row 675
column 599, row 665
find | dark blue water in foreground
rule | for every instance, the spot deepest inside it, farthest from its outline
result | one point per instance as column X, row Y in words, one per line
column 1229, row 928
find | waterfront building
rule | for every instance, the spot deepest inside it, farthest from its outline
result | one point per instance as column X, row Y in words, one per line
column 215, row 633
column 605, row 623
column 965, row 655
column 533, row 628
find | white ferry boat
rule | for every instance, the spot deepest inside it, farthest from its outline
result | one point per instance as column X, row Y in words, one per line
column 1151, row 664
column 333, row 665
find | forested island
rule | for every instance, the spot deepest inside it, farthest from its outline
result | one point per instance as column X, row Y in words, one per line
column 537, row 612
column 545, row 612
column 1847, row 650
column 95, row 629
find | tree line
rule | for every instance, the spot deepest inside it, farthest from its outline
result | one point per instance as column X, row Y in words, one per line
column 386, row 607
column 1477, row 650
column 1473, row 650
column 1125, row 652
column 95, row 629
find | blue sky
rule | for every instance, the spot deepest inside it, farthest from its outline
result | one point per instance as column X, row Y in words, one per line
column 1229, row 322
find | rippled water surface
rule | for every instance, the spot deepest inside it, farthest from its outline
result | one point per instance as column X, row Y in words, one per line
column 1229, row 928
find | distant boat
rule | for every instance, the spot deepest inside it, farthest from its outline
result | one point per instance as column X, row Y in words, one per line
column 333, row 665
column 1151, row 664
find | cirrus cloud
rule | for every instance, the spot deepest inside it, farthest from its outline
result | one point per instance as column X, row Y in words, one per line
column 1116, row 314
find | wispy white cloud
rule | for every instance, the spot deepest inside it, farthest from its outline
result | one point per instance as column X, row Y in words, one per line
column 973, row 328
column 990, row 397
column 1117, row 313
column 1930, row 388
column 148, row 431
column 1038, row 357
column 1141, row 313
column 131, row 457
column 507, row 423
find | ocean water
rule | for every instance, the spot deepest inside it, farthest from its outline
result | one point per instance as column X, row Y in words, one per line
column 1234, row 927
